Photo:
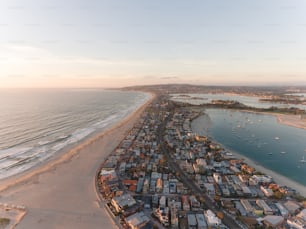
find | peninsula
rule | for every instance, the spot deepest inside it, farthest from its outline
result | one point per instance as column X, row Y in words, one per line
column 164, row 175
column 152, row 171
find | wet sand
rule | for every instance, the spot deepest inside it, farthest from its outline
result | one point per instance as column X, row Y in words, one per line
column 279, row 179
column 284, row 119
column 290, row 120
column 61, row 193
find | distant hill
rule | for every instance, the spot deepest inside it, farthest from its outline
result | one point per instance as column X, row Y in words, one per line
column 188, row 88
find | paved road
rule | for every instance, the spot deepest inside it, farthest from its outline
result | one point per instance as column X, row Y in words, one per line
column 209, row 204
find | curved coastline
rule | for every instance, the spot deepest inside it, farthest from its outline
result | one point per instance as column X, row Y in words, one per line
column 76, row 164
column 291, row 120
column 284, row 119
column 278, row 178
column 67, row 152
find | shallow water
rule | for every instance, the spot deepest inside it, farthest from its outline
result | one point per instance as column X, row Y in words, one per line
column 35, row 124
column 251, row 101
column 259, row 137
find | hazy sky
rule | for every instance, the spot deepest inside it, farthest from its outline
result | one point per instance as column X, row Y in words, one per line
column 78, row 43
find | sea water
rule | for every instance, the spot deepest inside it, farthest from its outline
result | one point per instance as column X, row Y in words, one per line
column 35, row 123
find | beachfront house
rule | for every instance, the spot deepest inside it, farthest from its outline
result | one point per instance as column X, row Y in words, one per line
column 120, row 203
column 137, row 220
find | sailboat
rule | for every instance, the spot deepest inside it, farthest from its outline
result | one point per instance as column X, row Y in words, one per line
column 303, row 160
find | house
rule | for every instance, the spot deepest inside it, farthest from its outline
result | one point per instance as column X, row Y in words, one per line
column 267, row 210
column 174, row 219
column 284, row 212
column 240, row 208
column 211, row 219
column 267, row 192
column 292, row 206
column 195, row 204
column 120, row 203
column 185, row 203
column 295, row 223
column 159, row 185
column 140, row 184
column 172, row 187
column 217, row 178
column 262, row 179
column 302, row 216
column 162, row 202
column 201, row 221
column 130, row 184
column 166, row 187
column 107, row 174
column 137, row 220
column 209, row 188
column 273, row 221
column 246, row 191
column 247, row 206
column 192, row 221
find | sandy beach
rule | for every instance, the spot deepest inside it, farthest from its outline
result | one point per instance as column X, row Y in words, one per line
column 284, row 119
column 291, row 120
column 279, row 179
column 61, row 193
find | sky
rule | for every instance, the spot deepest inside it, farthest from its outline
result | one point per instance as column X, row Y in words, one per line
column 111, row 43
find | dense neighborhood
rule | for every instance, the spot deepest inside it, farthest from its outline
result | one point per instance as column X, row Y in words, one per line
column 163, row 175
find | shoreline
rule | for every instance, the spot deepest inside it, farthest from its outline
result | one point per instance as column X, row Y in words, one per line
column 278, row 178
column 291, row 120
column 67, row 152
column 61, row 191
column 284, row 119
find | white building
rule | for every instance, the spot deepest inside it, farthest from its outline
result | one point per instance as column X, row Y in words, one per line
column 302, row 215
column 295, row 224
column 262, row 178
column 217, row 178
column 267, row 192
column 212, row 219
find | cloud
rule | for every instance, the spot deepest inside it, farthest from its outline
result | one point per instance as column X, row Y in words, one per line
column 169, row 77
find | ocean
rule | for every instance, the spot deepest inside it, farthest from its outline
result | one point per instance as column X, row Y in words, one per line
column 35, row 124
column 259, row 137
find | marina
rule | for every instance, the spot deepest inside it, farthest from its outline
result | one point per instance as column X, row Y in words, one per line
column 282, row 153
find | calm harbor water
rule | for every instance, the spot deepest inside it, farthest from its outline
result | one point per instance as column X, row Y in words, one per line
column 259, row 137
column 251, row 101
column 35, row 124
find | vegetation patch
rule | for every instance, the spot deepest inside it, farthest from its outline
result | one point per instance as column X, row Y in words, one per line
column 4, row 222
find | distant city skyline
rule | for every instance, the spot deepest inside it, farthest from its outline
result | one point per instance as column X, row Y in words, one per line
column 114, row 43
